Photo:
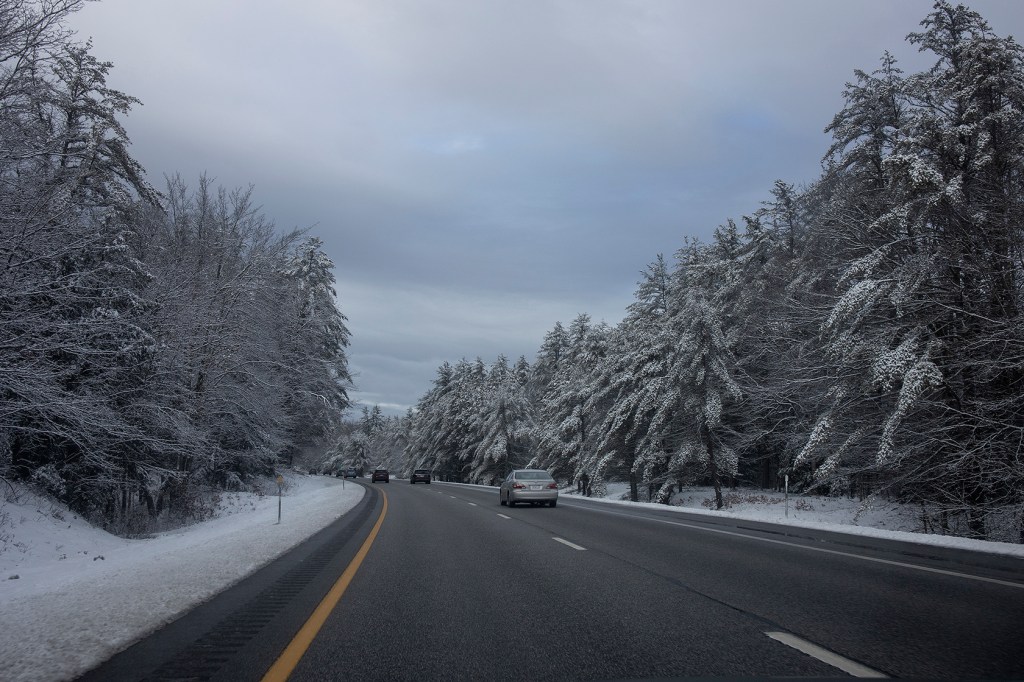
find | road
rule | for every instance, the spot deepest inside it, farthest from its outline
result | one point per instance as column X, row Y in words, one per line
column 455, row 586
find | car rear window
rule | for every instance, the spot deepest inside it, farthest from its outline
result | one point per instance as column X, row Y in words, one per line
column 534, row 476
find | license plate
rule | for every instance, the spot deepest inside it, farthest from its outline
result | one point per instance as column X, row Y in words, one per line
column 535, row 487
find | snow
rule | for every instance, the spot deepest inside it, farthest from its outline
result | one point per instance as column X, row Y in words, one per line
column 82, row 595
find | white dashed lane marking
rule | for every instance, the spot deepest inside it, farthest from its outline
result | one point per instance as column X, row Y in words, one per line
column 824, row 655
column 569, row 544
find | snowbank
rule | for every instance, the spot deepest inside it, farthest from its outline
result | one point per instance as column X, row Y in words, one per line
column 81, row 594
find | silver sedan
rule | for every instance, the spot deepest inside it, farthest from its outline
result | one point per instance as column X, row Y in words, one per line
column 535, row 486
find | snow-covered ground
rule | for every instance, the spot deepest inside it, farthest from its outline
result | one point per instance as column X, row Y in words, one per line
column 81, row 594
column 72, row 595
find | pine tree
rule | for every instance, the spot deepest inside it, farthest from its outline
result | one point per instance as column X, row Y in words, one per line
column 927, row 329
column 568, row 415
column 316, row 362
column 632, row 380
column 505, row 424
column 707, row 387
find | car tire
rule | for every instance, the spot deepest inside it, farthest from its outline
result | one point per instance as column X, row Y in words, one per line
column 553, row 503
column 509, row 501
column 501, row 501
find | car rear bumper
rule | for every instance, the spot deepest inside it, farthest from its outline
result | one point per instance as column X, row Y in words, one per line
column 532, row 495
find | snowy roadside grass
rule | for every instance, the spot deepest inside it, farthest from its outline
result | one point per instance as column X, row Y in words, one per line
column 82, row 595
column 872, row 517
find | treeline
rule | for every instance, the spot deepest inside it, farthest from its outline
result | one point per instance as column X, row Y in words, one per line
column 862, row 334
column 369, row 441
column 150, row 341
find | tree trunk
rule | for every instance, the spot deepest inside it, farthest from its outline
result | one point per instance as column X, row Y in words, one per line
column 976, row 523
column 713, row 470
column 151, row 506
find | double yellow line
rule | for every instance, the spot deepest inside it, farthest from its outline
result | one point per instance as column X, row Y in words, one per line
column 295, row 650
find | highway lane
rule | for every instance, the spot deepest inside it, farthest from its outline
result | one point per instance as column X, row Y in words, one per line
column 906, row 621
column 453, row 590
column 883, row 603
column 457, row 587
column 454, row 586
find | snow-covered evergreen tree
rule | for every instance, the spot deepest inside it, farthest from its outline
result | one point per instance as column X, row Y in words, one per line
column 633, row 381
column 927, row 330
column 316, row 363
column 505, row 424
column 707, row 388
column 569, row 433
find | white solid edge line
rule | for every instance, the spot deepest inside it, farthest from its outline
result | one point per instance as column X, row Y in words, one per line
column 570, row 544
column 890, row 562
column 504, row 517
column 825, row 656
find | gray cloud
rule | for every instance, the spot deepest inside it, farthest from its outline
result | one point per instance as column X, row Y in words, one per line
column 479, row 170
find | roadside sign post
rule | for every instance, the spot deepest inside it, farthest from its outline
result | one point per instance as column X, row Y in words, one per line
column 280, row 483
column 787, row 496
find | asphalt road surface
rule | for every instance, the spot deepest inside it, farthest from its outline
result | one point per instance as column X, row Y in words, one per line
column 455, row 586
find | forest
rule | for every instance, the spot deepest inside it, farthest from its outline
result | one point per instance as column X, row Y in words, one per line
column 860, row 334
column 154, row 343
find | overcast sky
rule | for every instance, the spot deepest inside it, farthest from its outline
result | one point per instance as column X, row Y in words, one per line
column 478, row 169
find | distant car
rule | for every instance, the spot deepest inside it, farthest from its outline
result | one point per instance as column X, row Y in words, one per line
column 535, row 486
column 351, row 473
column 420, row 476
column 381, row 475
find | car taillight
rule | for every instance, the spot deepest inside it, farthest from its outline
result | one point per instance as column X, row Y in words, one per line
column 553, row 486
column 518, row 486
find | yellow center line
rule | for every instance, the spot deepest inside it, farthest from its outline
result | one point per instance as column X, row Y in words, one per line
column 295, row 650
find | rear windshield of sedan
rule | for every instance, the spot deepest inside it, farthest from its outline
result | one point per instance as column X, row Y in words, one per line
column 533, row 476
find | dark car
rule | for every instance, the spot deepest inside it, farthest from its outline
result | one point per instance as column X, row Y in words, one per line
column 381, row 475
column 420, row 476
